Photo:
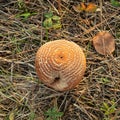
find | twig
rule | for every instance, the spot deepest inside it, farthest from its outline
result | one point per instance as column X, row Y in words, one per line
column 101, row 4
column 92, row 28
column 53, row 7
column 11, row 76
column 59, row 5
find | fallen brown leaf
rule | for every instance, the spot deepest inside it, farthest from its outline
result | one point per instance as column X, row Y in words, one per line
column 104, row 43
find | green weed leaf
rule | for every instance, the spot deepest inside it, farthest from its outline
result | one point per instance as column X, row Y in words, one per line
column 48, row 15
column 53, row 114
column 25, row 15
column 57, row 18
column 104, row 80
column 115, row 3
column 57, row 26
column 108, row 109
column 51, row 21
column 118, row 34
column 48, row 23
column 11, row 116
column 21, row 4
column 32, row 115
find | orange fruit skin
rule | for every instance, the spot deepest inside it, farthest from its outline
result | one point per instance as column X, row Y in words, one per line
column 60, row 64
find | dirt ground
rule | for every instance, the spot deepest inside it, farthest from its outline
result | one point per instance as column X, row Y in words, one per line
column 22, row 95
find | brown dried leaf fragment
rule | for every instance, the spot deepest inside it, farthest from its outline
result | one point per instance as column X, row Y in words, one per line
column 104, row 43
column 91, row 7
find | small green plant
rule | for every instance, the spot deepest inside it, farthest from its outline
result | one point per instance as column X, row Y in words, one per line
column 115, row 3
column 32, row 115
column 51, row 21
column 104, row 80
column 118, row 34
column 108, row 109
column 12, row 116
column 21, row 5
column 53, row 114
column 25, row 15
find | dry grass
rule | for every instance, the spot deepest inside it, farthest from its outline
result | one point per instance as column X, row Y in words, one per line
column 22, row 96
